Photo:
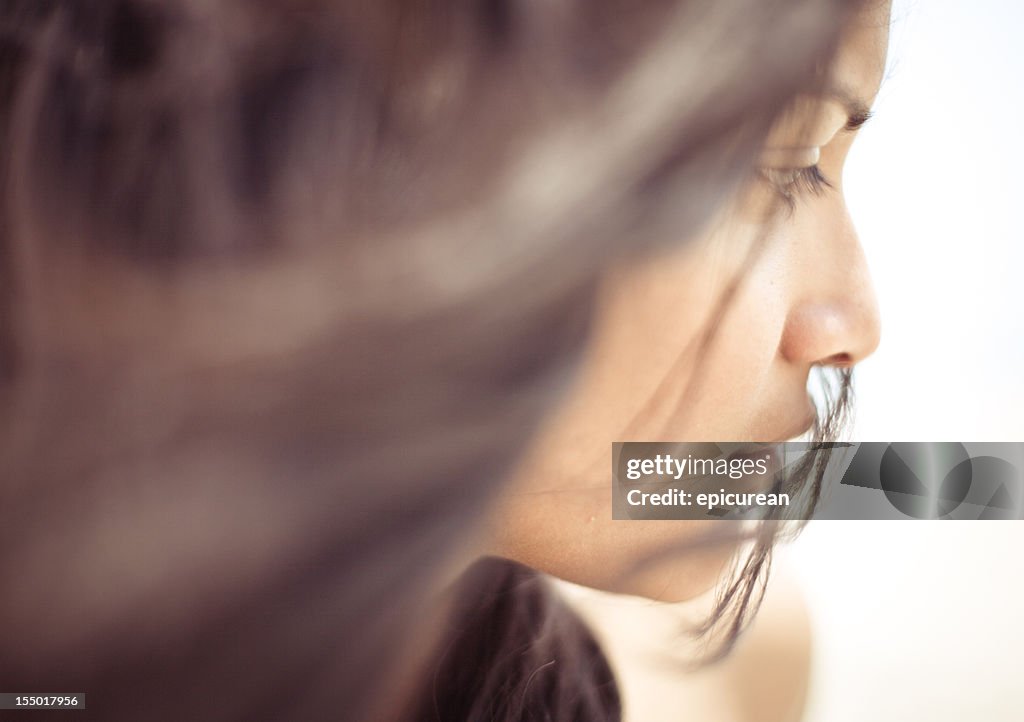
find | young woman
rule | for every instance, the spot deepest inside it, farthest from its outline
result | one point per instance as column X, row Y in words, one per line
column 287, row 288
column 715, row 341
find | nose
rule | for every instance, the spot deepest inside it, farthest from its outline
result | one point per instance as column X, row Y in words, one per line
column 833, row 319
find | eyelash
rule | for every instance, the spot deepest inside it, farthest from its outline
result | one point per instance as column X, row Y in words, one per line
column 796, row 183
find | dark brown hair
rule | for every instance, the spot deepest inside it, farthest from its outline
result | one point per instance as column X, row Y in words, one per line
column 285, row 286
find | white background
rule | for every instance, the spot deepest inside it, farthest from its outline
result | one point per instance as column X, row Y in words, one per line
column 925, row 620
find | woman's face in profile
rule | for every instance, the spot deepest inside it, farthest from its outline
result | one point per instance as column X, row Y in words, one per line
column 804, row 298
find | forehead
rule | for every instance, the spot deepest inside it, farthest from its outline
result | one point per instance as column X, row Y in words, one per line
column 860, row 62
column 849, row 88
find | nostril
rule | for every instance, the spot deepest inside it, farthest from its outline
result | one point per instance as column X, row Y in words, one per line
column 838, row 360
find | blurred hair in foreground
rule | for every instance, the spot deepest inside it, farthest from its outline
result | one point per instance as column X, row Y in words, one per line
column 286, row 287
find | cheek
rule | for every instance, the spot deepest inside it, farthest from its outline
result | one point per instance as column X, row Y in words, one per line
column 651, row 347
column 740, row 365
column 639, row 362
column 651, row 373
column 648, row 332
column 709, row 327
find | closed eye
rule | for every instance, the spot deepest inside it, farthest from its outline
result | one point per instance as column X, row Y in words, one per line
column 792, row 184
